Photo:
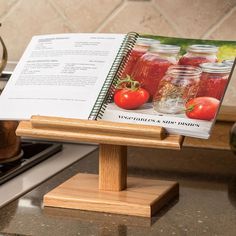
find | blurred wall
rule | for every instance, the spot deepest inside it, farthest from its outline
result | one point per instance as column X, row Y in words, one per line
column 208, row 19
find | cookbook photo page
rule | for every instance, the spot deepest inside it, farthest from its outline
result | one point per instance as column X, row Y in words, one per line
column 175, row 83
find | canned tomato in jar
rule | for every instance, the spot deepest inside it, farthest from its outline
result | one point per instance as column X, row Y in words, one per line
column 140, row 48
column 152, row 66
column 178, row 86
column 228, row 62
column 198, row 54
column 214, row 79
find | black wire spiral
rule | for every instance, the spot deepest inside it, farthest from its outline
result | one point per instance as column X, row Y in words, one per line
column 113, row 76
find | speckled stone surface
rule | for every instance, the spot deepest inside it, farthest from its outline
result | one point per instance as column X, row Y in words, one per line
column 206, row 206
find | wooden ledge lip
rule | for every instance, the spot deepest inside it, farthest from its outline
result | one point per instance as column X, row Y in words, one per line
column 26, row 129
column 98, row 126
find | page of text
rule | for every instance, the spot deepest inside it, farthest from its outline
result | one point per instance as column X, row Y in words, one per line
column 59, row 75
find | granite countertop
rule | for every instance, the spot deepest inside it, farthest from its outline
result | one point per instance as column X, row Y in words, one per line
column 206, row 206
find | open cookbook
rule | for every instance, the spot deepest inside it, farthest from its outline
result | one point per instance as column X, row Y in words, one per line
column 175, row 83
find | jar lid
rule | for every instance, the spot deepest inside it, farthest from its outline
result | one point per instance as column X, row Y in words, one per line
column 228, row 62
column 202, row 48
column 146, row 41
column 164, row 48
column 184, row 71
column 215, row 67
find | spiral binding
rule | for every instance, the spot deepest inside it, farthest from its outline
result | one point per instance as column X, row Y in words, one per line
column 114, row 75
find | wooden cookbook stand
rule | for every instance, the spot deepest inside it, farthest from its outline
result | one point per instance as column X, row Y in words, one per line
column 110, row 191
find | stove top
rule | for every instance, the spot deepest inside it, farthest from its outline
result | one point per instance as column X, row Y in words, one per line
column 32, row 153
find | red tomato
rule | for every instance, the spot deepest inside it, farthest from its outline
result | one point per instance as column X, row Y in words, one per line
column 202, row 108
column 131, row 99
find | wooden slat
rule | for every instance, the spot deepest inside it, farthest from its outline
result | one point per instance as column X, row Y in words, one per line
column 219, row 138
column 99, row 126
column 26, row 129
column 227, row 113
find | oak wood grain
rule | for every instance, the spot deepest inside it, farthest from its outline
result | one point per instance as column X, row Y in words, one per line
column 26, row 129
column 219, row 138
column 143, row 197
column 227, row 113
column 112, row 167
column 98, row 126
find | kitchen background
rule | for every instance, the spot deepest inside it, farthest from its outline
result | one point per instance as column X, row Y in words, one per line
column 206, row 19
column 211, row 19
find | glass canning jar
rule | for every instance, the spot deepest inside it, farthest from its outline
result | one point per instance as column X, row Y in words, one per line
column 228, row 62
column 152, row 66
column 214, row 79
column 178, row 86
column 141, row 46
column 198, row 54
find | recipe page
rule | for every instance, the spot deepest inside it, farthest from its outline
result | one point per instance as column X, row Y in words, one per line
column 60, row 75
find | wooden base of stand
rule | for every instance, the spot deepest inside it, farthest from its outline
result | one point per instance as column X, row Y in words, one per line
column 108, row 192
column 143, row 197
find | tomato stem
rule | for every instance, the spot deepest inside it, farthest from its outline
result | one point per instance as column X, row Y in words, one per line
column 190, row 108
column 129, row 83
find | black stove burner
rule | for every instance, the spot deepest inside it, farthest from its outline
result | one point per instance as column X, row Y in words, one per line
column 33, row 153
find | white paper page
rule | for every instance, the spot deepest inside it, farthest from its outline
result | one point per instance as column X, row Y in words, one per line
column 174, row 124
column 59, row 75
